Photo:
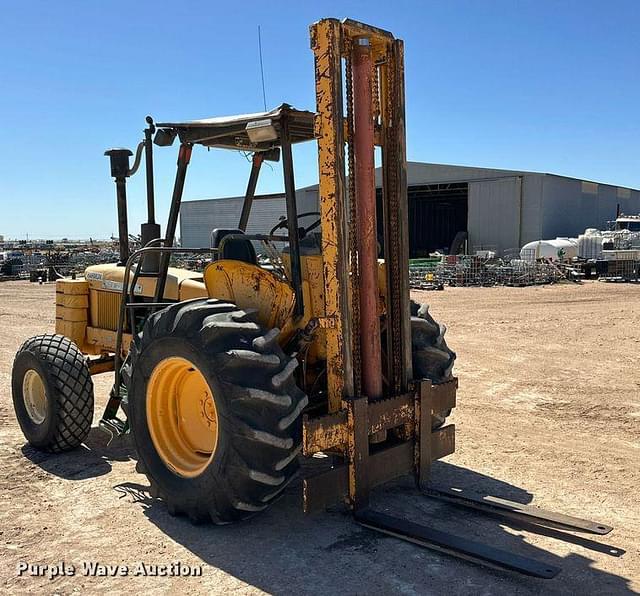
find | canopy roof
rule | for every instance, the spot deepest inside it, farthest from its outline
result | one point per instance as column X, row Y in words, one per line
column 230, row 132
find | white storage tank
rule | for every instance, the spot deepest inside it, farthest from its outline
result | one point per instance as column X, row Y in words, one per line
column 590, row 244
column 554, row 250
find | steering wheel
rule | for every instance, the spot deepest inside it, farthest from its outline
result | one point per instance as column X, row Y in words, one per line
column 302, row 231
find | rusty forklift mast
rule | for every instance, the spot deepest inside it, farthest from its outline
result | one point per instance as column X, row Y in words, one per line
column 371, row 389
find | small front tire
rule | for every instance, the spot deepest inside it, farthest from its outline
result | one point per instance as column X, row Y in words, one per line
column 52, row 393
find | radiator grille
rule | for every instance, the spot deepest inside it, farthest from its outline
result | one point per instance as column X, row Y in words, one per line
column 107, row 307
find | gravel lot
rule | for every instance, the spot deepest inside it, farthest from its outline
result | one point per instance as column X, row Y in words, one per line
column 549, row 412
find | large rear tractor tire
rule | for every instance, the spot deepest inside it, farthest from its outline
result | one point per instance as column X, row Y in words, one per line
column 215, row 412
column 52, row 393
column 431, row 356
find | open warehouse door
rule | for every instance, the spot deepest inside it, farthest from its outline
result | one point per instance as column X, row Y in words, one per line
column 438, row 216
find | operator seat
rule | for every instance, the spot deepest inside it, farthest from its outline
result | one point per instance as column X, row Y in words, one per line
column 236, row 249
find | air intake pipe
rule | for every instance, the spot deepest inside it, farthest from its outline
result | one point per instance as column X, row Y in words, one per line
column 119, row 161
column 120, row 170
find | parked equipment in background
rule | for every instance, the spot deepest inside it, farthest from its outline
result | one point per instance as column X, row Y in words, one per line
column 225, row 378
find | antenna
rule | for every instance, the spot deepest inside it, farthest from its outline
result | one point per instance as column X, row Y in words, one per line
column 264, row 95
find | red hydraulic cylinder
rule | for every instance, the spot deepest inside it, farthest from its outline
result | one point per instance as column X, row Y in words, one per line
column 367, row 241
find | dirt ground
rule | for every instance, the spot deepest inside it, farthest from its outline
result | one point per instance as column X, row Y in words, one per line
column 549, row 412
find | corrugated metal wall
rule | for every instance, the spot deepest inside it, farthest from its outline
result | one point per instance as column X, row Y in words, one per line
column 199, row 218
column 494, row 214
column 531, row 209
column 569, row 206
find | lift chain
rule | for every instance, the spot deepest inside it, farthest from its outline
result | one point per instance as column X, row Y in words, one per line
column 353, row 221
column 392, row 204
column 375, row 82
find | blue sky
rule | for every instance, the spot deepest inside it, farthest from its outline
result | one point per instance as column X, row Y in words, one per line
column 535, row 85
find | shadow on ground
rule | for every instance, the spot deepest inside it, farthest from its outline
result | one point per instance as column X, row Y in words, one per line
column 93, row 458
column 284, row 551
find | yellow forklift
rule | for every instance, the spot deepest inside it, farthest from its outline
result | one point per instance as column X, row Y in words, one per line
column 226, row 378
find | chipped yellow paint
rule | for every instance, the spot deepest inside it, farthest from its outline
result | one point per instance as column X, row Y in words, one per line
column 379, row 40
column 326, row 42
column 313, row 296
column 249, row 286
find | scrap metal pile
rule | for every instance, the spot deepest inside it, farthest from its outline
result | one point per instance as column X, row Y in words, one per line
column 474, row 270
column 58, row 263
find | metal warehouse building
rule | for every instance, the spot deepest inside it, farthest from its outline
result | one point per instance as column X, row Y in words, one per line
column 199, row 218
column 498, row 209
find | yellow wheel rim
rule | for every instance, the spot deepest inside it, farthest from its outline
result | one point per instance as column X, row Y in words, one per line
column 34, row 396
column 182, row 416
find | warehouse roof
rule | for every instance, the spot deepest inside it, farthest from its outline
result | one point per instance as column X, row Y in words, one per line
column 438, row 173
column 419, row 173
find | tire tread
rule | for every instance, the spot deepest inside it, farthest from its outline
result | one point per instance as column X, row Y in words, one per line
column 264, row 406
column 68, row 370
